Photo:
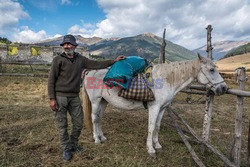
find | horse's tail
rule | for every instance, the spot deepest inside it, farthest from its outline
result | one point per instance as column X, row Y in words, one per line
column 87, row 109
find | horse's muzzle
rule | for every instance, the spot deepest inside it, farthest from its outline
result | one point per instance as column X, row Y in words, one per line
column 219, row 89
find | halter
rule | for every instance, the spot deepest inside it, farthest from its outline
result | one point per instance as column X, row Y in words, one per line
column 211, row 84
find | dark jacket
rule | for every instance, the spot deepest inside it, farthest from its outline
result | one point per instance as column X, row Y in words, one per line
column 65, row 74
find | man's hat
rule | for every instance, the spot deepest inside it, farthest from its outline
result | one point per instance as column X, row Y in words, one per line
column 69, row 39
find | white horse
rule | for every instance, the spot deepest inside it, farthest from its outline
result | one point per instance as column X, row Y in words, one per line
column 171, row 78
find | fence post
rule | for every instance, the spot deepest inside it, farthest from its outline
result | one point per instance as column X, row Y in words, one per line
column 1, row 68
column 248, row 145
column 241, row 79
column 209, row 42
column 27, row 57
column 163, row 46
column 207, row 117
column 210, row 97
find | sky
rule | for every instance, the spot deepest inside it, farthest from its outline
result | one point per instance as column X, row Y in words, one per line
column 185, row 20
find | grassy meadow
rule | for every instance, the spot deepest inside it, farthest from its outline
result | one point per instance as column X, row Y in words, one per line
column 229, row 64
column 28, row 135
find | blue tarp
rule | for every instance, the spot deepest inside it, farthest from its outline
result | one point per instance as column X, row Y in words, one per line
column 122, row 72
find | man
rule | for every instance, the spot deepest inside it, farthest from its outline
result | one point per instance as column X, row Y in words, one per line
column 63, row 90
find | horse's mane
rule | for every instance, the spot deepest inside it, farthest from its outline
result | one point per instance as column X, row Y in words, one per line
column 176, row 72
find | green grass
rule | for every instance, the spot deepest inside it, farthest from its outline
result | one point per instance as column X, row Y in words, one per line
column 29, row 137
column 25, row 69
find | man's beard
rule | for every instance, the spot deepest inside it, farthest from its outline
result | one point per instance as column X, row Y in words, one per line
column 69, row 51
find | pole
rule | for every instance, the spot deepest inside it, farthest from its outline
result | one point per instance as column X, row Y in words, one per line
column 210, row 97
column 163, row 46
column 241, row 79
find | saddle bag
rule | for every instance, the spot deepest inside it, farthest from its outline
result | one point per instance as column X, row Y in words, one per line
column 138, row 89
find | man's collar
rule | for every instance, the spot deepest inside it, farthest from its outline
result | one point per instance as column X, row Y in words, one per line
column 74, row 56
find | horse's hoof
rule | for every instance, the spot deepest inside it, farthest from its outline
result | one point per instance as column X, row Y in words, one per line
column 159, row 150
column 103, row 139
column 97, row 141
column 153, row 155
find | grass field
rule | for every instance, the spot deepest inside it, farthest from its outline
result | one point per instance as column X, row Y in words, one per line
column 231, row 63
column 28, row 135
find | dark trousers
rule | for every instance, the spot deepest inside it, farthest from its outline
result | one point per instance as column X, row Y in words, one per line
column 73, row 106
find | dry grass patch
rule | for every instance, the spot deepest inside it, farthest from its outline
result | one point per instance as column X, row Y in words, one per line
column 231, row 63
column 28, row 135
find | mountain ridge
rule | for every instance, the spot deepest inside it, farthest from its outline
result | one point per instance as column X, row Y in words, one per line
column 82, row 41
column 220, row 48
column 243, row 49
column 146, row 45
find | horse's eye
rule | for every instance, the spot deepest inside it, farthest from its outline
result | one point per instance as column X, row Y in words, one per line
column 211, row 70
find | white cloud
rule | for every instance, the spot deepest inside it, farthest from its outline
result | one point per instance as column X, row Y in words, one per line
column 185, row 21
column 10, row 14
column 57, row 35
column 85, row 30
column 65, row 2
column 26, row 35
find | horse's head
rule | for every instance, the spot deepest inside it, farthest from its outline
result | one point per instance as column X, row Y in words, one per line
column 209, row 76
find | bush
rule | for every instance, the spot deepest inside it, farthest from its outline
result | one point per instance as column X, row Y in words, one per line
column 12, row 50
column 35, row 51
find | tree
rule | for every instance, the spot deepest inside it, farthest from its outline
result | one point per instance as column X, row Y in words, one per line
column 5, row 40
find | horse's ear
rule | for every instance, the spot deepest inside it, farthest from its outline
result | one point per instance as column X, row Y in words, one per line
column 202, row 59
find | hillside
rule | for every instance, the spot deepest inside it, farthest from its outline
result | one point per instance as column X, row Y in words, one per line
column 220, row 49
column 239, row 50
column 80, row 40
column 145, row 45
column 231, row 63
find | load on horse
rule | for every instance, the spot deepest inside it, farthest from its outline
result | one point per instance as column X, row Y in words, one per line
column 172, row 78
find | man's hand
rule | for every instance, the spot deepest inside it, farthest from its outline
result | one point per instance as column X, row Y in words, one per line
column 121, row 57
column 53, row 104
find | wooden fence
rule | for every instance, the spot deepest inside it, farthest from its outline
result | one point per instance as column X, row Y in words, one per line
column 240, row 93
column 33, row 67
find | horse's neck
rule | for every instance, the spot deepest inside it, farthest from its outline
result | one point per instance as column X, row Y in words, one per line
column 178, row 74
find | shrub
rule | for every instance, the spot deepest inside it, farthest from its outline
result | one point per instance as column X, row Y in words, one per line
column 12, row 50
column 35, row 51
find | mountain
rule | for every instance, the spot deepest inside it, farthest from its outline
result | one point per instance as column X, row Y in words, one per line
column 146, row 45
column 80, row 40
column 239, row 50
column 220, row 49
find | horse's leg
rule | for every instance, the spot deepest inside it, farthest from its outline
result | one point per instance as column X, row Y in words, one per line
column 152, row 117
column 156, row 143
column 96, row 119
column 102, row 108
